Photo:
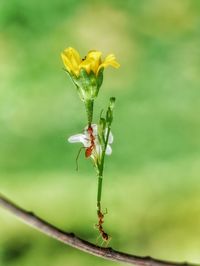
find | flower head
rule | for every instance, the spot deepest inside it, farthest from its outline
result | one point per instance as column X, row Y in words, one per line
column 90, row 140
column 87, row 74
column 91, row 63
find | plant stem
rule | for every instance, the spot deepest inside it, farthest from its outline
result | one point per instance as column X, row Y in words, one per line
column 89, row 104
column 100, row 174
column 100, row 181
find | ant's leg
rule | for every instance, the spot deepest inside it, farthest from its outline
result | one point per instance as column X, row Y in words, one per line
column 97, row 239
column 77, row 157
column 105, row 212
column 102, row 243
column 96, row 226
column 106, row 242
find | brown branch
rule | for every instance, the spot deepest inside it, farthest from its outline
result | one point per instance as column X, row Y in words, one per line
column 70, row 239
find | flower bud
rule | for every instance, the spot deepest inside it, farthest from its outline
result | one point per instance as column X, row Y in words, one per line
column 112, row 102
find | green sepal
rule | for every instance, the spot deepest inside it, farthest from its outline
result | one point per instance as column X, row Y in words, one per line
column 101, row 131
column 109, row 113
column 102, row 123
column 71, row 76
column 87, row 85
column 100, row 78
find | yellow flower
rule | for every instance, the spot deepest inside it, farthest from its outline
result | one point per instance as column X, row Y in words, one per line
column 92, row 62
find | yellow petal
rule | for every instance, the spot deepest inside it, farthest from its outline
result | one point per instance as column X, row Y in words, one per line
column 86, row 64
column 96, row 55
column 110, row 60
column 66, row 62
column 71, row 60
column 95, row 60
column 73, row 55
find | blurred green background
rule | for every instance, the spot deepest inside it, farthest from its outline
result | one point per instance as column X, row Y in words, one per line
column 151, row 186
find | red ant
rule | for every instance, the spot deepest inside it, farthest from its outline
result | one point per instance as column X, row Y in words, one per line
column 88, row 150
column 103, row 234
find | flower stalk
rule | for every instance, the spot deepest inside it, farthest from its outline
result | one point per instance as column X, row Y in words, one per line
column 106, row 123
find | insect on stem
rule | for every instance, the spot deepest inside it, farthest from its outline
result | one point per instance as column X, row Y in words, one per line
column 88, row 151
column 105, row 237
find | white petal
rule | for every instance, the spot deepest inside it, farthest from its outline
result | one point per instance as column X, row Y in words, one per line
column 95, row 129
column 98, row 149
column 79, row 138
column 108, row 150
column 110, row 138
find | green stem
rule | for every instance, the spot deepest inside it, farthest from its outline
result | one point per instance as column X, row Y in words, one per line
column 89, row 104
column 100, row 174
column 100, row 181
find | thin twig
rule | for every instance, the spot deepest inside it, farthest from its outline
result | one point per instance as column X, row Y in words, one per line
column 70, row 239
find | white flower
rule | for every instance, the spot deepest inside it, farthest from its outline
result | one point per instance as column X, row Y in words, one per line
column 91, row 142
